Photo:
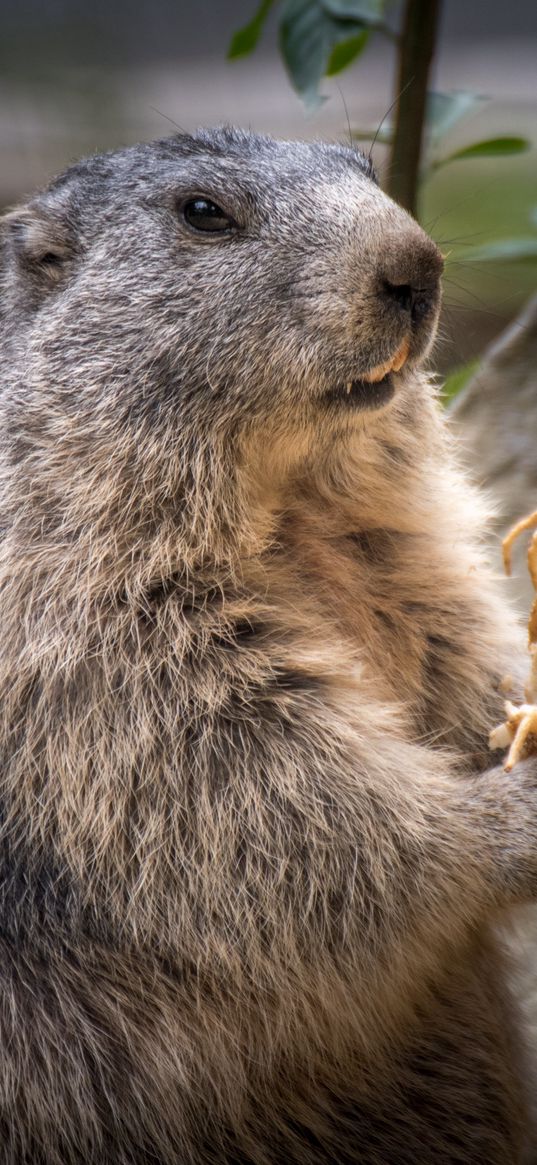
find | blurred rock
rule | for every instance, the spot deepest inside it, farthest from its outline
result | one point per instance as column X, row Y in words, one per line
column 495, row 420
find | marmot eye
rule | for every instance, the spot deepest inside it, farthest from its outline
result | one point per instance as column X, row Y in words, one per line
column 204, row 215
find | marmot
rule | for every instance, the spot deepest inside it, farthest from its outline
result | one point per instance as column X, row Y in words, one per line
column 253, row 843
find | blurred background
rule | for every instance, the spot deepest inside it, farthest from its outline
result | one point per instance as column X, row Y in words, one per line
column 78, row 78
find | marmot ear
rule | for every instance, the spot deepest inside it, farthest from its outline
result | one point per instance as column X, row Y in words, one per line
column 38, row 240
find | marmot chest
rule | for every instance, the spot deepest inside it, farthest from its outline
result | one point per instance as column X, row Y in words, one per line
column 370, row 590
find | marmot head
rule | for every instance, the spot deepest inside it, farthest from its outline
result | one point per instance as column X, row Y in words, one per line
column 190, row 290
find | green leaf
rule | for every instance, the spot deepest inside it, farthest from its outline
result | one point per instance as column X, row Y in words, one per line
column 308, row 36
column 457, row 380
column 245, row 39
column 303, row 44
column 366, row 11
column 444, row 110
column 517, row 250
column 346, row 51
column 491, row 148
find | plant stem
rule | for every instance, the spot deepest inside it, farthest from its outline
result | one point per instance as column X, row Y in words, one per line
column 416, row 48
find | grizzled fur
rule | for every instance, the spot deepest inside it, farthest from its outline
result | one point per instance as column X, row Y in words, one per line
column 253, row 848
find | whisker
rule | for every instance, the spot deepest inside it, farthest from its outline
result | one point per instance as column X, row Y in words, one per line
column 170, row 119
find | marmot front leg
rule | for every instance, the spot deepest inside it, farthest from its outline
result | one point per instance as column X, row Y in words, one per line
column 358, row 852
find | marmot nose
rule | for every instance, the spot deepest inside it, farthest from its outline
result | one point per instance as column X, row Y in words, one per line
column 411, row 281
column 416, row 302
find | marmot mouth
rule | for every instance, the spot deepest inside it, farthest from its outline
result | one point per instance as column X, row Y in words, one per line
column 362, row 394
column 375, row 388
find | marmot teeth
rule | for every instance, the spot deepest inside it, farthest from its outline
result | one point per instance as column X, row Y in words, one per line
column 393, row 365
column 401, row 355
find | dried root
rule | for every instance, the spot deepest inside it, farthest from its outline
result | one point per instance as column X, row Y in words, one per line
column 520, row 728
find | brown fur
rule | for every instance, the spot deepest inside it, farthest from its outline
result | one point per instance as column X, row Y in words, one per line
column 253, row 847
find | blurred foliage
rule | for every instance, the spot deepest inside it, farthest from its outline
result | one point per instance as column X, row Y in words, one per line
column 487, row 228
column 444, row 110
column 517, row 250
column 457, row 380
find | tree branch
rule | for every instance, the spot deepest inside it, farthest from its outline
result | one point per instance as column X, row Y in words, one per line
column 415, row 55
